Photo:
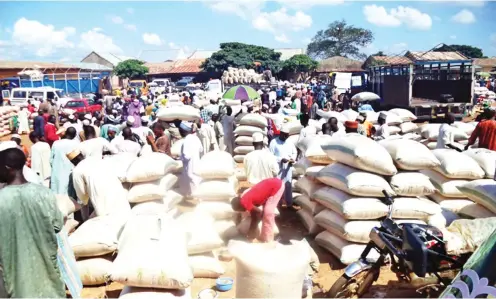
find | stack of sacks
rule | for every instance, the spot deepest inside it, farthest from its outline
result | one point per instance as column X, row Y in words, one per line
column 6, row 113
column 152, row 182
column 241, row 76
column 68, row 207
column 94, row 243
column 31, row 120
column 218, row 166
column 294, row 127
column 404, row 119
column 247, row 125
column 456, row 171
column 430, row 132
column 202, row 241
column 153, row 259
column 184, row 113
column 357, row 181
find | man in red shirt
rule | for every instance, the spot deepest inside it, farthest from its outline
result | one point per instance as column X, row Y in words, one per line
column 266, row 193
column 51, row 131
column 485, row 132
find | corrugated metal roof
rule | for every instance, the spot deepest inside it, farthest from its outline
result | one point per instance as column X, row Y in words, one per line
column 339, row 64
column 31, row 64
column 202, row 54
column 187, row 66
column 160, row 67
column 392, row 60
column 289, row 52
column 488, row 62
column 435, row 56
column 89, row 66
column 112, row 58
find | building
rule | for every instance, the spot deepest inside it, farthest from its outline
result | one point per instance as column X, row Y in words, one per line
column 13, row 68
column 339, row 64
column 109, row 60
column 411, row 57
column 485, row 65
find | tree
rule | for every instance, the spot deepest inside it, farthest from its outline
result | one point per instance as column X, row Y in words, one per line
column 380, row 53
column 466, row 50
column 299, row 64
column 131, row 69
column 340, row 39
column 241, row 55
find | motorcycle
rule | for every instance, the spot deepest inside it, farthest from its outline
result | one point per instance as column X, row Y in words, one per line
column 417, row 254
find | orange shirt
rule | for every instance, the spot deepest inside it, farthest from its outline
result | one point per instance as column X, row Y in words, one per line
column 486, row 133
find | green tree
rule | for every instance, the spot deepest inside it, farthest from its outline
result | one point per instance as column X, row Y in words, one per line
column 299, row 64
column 131, row 69
column 241, row 55
column 340, row 39
column 466, row 50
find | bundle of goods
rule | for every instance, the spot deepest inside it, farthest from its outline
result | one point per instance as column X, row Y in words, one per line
column 185, row 112
column 247, row 126
column 241, row 76
column 459, row 183
column 153, row 258
column 430, row 132
column 6, row 114
column 31, row 120
column 354, row 184
column 94, row 243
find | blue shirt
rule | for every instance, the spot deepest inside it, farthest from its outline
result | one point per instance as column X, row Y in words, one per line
column 365, row 107
column 39, row 125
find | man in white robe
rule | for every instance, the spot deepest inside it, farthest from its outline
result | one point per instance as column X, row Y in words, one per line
column 23, row 116
column 61, row 166
column 260, row 164
column 191, row 151
column 128, row 145
column 40, row 157
column 227, row 121
column 95, row 146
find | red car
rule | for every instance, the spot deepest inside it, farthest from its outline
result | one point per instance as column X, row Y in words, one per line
column 83, row 106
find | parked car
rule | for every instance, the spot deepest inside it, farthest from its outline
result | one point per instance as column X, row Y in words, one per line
column 184, row 81
column 83, row 106
column 20, row 95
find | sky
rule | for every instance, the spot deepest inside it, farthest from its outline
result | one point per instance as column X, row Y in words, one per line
column 156, row 31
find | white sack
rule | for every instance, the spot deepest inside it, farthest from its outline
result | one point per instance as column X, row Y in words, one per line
column 410, row 154
column 119, row 164
column 205, row 266
column 216, row 190
column 249, row 130
column 253, row 119
column 216, row 165
column 311, row 148
column 328, row 114
column 226, row 229
column 454, row 205
column 94, row 271
column 158, row 206
column 244, row 226
column 414, row 208
column 219, row 210
column 150, row 293
column 431, row 132
column 485, row 158
column 201, row 233
column 456, row 165
column 239, row 158
column 306, row 204
column 243, row 149
column 186, row 113
column 411, row 184
column 148, row 191
column 404, row 114
column 360, row 152
column 443, row 219
column 176, row 149
column 307, row 186
column 150, row 167
column 345, row 251
column 66, row 204
column 445, row 186
column 482, row 192
column 247, row 140
column 308, row 221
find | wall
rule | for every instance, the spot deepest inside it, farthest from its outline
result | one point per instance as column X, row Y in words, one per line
column 431, row 89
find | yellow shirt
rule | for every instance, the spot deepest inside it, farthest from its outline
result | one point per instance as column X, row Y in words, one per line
column 149, row 110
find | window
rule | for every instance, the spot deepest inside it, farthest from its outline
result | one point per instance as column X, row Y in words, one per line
column 50, row 95
column 60, row 93
column 19, row 94
column 74, row 104
column 36, row 94
column 91, row 102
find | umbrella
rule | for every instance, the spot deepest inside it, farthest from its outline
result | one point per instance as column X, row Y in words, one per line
column 241, row 92
column 365, row 96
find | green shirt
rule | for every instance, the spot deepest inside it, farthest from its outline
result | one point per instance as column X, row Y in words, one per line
column 29, row 222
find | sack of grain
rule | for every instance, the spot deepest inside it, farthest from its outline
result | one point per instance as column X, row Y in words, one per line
column 392, row 119
column 158, row 206
column 255, row 120
column 353, row 231
column 70, row 225
column 97, row 236
column 411, row 184
column 350, row 114
column 247, row 140
column 431, row 132
column 150, row 167
column 280, row 269
column 443, row 219
column 201, row 233
column 302, row 165
column 239, row 158
column 249, row 130
column 452, row 204
column 311, row 147
column 216, row 165
column 313, row 171
column 307, row 219
column 119, row 164
column 306, row 204
column 94, row 271
column 482, row 192
column 408, row 127
column 414, row 208
column 66, row 204
column 294, row 127
column 219, row 210
column 360, row 152
column 485, row 158
column 345, row 251
column 226, row 229
column 307, row 186
column 243, row 149
column 468, row 128
column 353, row 181
column 205, row 266
column 157, row 260
column 445, row 186
column 185, row 113
column 456, row 165
column 394, row 130
column 404, row 114
column 409, row 154
column 328, row 114
column 176, row 149
column 475, row 211
column 348, row 206
column 148, row 191
column 244, row 226
column 216, row 190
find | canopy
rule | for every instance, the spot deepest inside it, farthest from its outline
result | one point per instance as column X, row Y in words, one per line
column 241, row 92
column 365, row 96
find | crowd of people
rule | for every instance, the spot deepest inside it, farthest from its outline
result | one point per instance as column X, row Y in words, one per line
column 63, row 145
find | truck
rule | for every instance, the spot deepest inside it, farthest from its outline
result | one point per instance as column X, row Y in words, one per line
column 429, row 89
column 160, row 85
column 184, row 81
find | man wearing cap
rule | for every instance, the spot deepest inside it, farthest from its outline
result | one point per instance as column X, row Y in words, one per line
column 307, row 130
column 383, row 131
column 190, row 156
column 61, row 166
column 285, row 153
column 227, row 122
column 73, row 123
column 95, row 146
column 351, row 126
column 364, row 126
column 260, row 164
column 162, row 143
column 17, row 139
column 485, row 132
column 128, row 145
column 40, row 157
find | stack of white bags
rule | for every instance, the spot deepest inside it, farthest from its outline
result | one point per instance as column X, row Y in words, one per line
column 6, row 113
column 246, row 127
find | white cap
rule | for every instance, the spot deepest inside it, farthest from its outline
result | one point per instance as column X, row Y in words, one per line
column 150, row 101
column 130, row 120
column 4, row 145
column 285, row 129
column 71, row 116
column 15, row 136
column 257, row 137
column 87, row 116
column 86, row 122
column 145, row 119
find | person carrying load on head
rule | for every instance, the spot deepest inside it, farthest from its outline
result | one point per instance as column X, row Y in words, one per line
column 265, row 194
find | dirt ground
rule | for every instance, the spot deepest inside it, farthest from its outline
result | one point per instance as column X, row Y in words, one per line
column 291, row 228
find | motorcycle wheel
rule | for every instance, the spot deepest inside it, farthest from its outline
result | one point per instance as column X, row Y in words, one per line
column 353, row 287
